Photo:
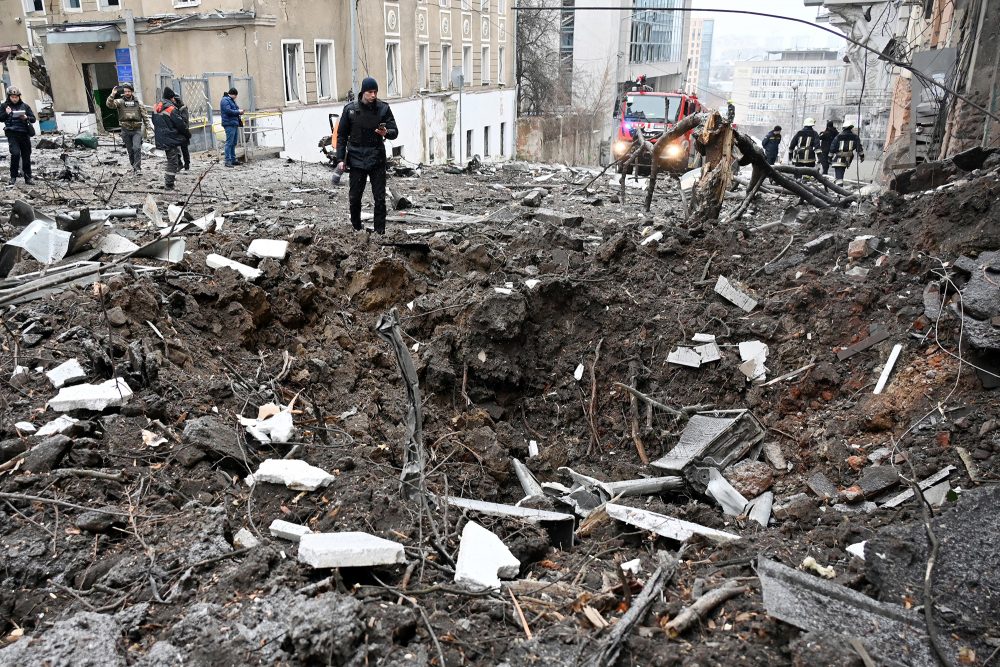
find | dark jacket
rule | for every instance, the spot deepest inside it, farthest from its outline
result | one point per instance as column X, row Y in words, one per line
column 185, row 116
column 19, row 124
column 802, row 138
column 826, row 138
column 771, row 144
column 168, row 127
column 230, row 112
column 356, row 135
column 843, row 143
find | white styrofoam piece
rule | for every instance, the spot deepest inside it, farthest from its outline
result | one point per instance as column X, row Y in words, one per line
column 857, row 549
column 268, row 248
column 293, row 473
column 287, row 530
column 276, row 428
column 94, row 397
column 483, row 558
column 215, row 261
column 65, row 372
column 349, row 549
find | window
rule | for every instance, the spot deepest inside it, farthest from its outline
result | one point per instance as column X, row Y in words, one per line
column 186, row 3
column 110, row 4
column 468, row 144
column 34, row 6
column 466, row 65
column 486, row 141
column 444, row 3
column 502, row 7
column 326, row 71
column 484, row 67
column 392, row 79
column 430, row 150
column 423, row 66
column 501, row 65
column 449, row 146
column 503, row 139
column 445, row 66
column 294, row 71
column 484, row 5
column 466, row 5
column 72, row 5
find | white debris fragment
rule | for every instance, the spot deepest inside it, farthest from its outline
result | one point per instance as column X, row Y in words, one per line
column 857, row 549
column 244, row 539
column 532, row 449
column 323, row 550
column 174, row 213
column 532, row 283
column 152, row 211
column 481, row 356
column 730, row 293
column 655, row 236
column 286, row 530
column 732, row 501
column 25, row 427
column 684, row 356
column 116, row 244
column 578, row 373
column 268, row 248
column 95, row 397
column 272, row 427
column 151, row 439
column 18, row 370
column 754, row 354
column 293, row 473
column 215, row 261
column 633, row 567
column 703, row 338
column 709, row 352
column 667, row 526
column 65, row 372
column 889, row 364
column 58, row 425
column 810, row 563
column 483, row 558
column 503, row 290
column 43, row 240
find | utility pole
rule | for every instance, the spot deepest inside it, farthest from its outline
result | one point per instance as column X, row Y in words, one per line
column 795, row 104
column 133, row 52
column 354, row 46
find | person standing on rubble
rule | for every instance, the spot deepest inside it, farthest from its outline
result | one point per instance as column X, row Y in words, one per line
column 17, row 118
column 845, row 146
column 802, row 149
column 771, row 144
column 133, row 119
column 185, row 116
column 169, row 130
column 826, row 138
column 364, row 126
column 232, row 121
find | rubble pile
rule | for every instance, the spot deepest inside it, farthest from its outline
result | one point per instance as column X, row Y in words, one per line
column 530, row 425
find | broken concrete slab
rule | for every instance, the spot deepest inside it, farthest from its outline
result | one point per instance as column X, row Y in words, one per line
column 558, row 525
column 348, row 549
column 94, row 397
column 734, row 295
column 25, row 427
column 821, row 486
column 892, row 634
column 557, row 217
column 719, row 437
column 286, row 530
column 533, row 198
column 60, row 424
column 215, row 261
column 293, row 473
column 876, row 479
column 875, row 338
column 268, row 248
column 483, row 559
column 666, row 526
column 210, row 436
column 65, row 372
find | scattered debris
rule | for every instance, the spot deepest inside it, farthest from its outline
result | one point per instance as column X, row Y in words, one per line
column 667, row 526
column 734, row 295
column 93, row 397
column 292, row 532
column 65, row 372
column 293, row 473
column 483, row 558
column 348, row 549
column 215, row 261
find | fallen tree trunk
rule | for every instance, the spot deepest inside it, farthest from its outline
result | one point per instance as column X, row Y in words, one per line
column 818, row 175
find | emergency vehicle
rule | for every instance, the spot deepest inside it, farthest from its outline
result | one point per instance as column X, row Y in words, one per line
column 644, row 110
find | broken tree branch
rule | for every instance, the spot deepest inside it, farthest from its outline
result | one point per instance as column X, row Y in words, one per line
column 633, row 370
column 701, row 607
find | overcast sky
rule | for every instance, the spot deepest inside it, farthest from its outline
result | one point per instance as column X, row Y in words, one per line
column 758, row 31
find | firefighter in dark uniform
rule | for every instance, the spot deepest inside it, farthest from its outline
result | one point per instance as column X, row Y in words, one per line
column 364, row 126
column 802, row 149
column 845, row 146
column 771, row 144
column 826, row 138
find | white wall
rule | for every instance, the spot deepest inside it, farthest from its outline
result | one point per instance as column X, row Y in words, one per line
column 417, row 119
column 75, row 123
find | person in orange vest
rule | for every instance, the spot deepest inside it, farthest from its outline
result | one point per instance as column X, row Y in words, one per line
column 169, row 131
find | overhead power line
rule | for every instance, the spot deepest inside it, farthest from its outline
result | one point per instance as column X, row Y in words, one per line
column 926, row 79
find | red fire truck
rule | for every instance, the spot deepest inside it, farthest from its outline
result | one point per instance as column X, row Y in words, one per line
column 649, row 112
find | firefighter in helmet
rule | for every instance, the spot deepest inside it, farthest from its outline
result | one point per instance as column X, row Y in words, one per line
column 802, row 149
column 845, row 146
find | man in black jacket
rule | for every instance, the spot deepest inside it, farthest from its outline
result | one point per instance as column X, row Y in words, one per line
column 802, row 149
column 826, row 138
column 845, row 146
column 771, row 143
column 170, row 132
column 365, row 124
column 17, row 118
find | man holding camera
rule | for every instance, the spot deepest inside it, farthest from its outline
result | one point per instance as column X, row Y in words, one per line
column 133, row 119
column 365, row 124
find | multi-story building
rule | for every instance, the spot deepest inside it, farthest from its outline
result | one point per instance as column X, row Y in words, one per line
column 699, row 59
column 787, row 87
column 445, row 66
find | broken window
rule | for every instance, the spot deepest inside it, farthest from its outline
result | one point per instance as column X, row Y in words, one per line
column 291, row 53
column 392, row 78
column 423, row 66
column 325, row 70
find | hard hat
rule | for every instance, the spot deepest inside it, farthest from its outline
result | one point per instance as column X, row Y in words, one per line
column 810, row 122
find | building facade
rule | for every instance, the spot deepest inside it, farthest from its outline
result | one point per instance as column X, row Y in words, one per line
column 699, row 55
column 787, row 87
column 445, row 66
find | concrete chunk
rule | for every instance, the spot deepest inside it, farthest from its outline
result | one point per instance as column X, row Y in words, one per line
column 558, row 217
column 267, row 248
column 215, row 261
column 667, row 526
column 95, row 397
column 818, row 243
column 60, row 424
column 724, row 436
column 862, row 246
column 349, row 549
column 483, row 558
column 286, row 530
column 65, row 372
column 244, row 539
column 293, row 473
column 730, row 293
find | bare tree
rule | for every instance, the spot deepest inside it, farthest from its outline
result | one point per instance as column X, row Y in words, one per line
column 537, row 57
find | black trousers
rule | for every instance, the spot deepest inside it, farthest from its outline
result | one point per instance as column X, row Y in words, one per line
column 186, row 155
column 357, row 189
column 19, row 144
column 173, row 166
column 824, row 161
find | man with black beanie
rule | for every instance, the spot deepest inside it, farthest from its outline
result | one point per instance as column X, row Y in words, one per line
column 170, row 132
column 365, row 124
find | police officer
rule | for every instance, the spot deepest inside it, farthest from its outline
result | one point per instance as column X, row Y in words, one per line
column 845, row 146
column 364, row 126
column 771, row 144
column 802, row 149
column 826, row 138
column 133, row 119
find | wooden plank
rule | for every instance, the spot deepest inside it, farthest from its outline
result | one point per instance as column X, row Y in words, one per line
column 877, row 337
